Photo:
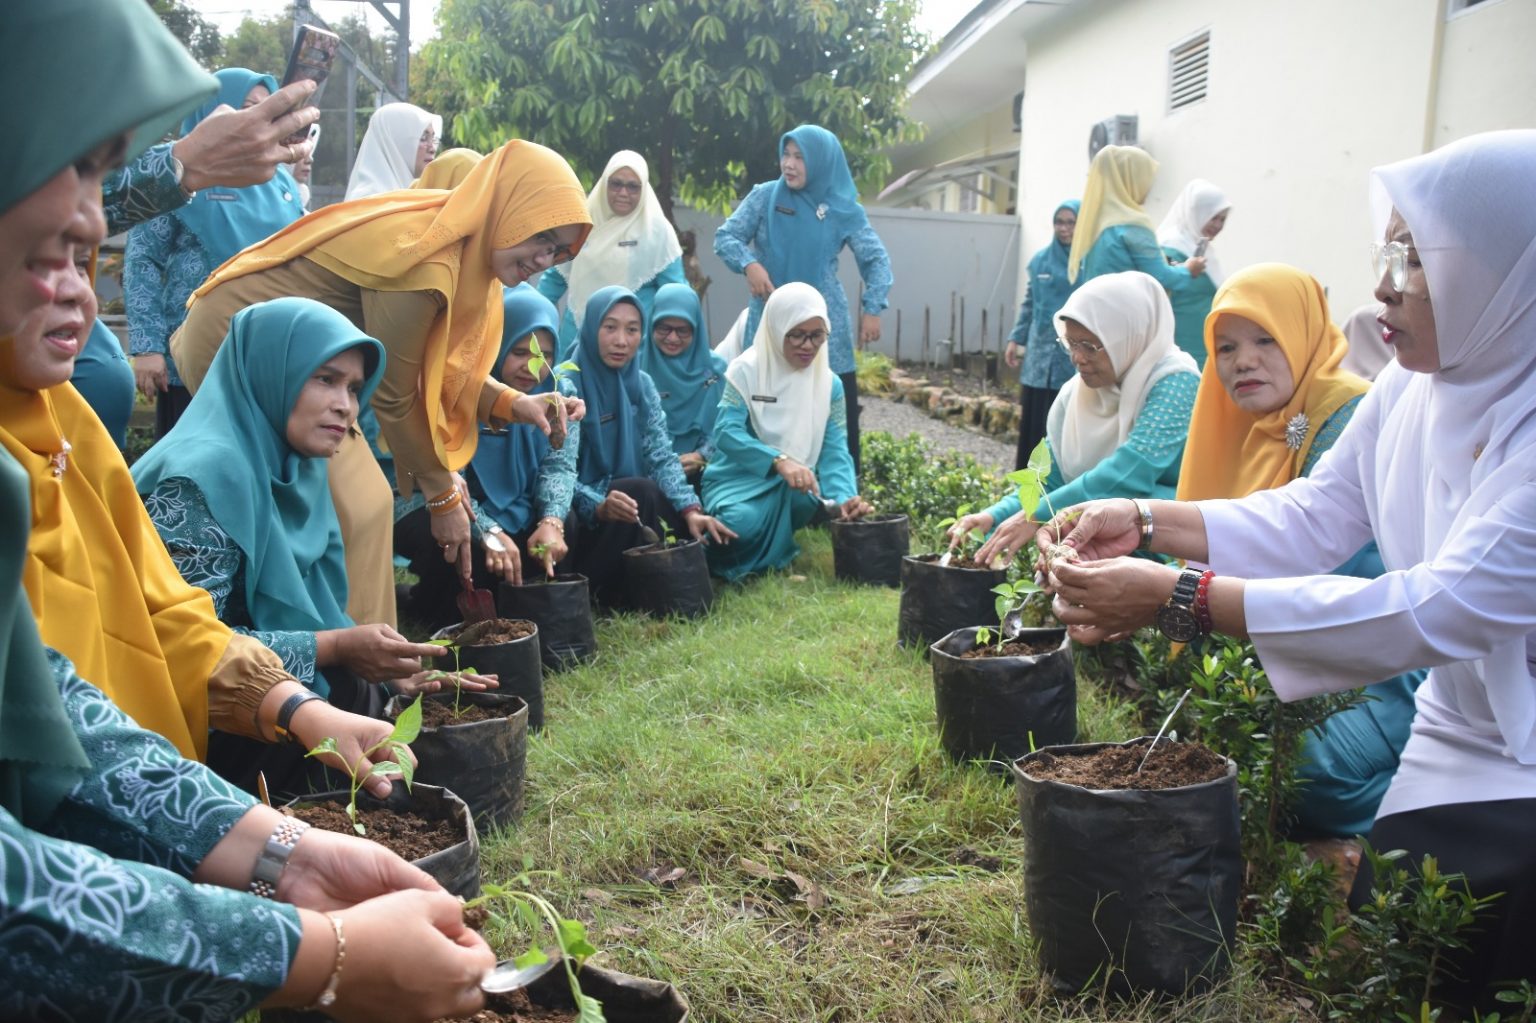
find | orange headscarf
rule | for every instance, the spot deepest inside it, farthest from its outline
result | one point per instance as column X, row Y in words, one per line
column 448, row 169
column 1232, row 453
column 429, row 240
column 103, row 587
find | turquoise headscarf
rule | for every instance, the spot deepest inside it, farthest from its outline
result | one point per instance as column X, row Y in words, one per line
column 808, row 225
column 507, row 461
column 226, row 220
column 232, row 443
column 134, row 75
column 689, row 384
column 610, row 435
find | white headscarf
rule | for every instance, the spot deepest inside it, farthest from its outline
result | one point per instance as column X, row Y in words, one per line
column 1130, row 315
column 1181, row 228
column 386, row 160
column 627, row 250
column 730, row 346
column 1465, row 436
column 1368, row 354
column 795, row 419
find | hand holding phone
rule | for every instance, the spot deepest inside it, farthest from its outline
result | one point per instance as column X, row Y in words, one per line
column 314, row 51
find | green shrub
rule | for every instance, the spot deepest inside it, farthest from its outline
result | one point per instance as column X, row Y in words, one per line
column 908, row 477
column 874, row 372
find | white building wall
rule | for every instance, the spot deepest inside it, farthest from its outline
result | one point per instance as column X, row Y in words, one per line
column 1487, row 70
column 1305, row 96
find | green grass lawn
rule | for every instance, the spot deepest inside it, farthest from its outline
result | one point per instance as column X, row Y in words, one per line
column 783, row 753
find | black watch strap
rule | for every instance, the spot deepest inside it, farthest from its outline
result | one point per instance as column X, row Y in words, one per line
column 286, row 711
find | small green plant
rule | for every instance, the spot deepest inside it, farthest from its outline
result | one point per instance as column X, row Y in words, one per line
column 534, row 912
column 454, row 678
column 562, row 374
column 397, row 757
column 907, row 476
column 668, row 537
column 874, row 372
column 984, row 635
column 967, row 544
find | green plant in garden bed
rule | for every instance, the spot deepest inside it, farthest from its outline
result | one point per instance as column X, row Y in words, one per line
column 909, row 477
column 396, row 757
column 534, row 913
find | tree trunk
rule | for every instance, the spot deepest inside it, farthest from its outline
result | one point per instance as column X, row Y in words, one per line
column 666, row 185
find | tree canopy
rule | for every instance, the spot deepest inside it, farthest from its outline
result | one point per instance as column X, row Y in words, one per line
column 197, row 33
column 702, row 88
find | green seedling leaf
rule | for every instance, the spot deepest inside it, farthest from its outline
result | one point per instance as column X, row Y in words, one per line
column 325, row 746
column 440, row 642
column 407, row 725
column 589, row 1010
column 527, row 915
column 533, row 957
column 568, row 367
column 380, row 769
column 466, row 671
column 573, row 939
column 357, row 825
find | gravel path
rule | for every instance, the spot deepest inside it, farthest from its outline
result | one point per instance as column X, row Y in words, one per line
column 900, row 419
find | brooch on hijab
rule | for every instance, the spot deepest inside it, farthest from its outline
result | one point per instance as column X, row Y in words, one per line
column 60, row 460
column 1296, row 431
column 821, row 212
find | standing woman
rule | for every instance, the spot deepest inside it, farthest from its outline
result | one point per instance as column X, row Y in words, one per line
column 400, row 141
column 631, row 245
column 1195, row 219
column 169, row 256
column 1114, row 233
column 689, row 377
column 421, row 271
column 1045, row 365
column 780, row 450
column 794, row 229
column 626, row 476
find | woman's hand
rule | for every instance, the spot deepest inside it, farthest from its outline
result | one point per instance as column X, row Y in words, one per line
column 424, row 682
column 451, row 531
column 693, row 462
column 547, row 543
column 618, row 507
column 965, row 524
column 855, row 508
column 1010, row 537
column 507, row 562
column 543, row 411
column 869, row 329
column 707, row 527
column 149, row 374
column 1097, row 530
column 376, row 653
column 1195, row 265
column 797, row 476
column 328, row 870
column 355, row 736
column 758, row 280
column 1011, row 355
column 1103, row 600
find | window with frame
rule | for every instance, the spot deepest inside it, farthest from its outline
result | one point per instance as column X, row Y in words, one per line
column 1189, row 64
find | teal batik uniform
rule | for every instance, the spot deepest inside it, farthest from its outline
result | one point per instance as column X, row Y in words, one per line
column 1191, row 305
column 688, row 384
column 553, row 286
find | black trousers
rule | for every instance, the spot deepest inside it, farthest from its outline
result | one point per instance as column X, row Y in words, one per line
column 597, row 552
column 1034, row 407
column 1494, row 845
column 169, row 406
column 851, row 402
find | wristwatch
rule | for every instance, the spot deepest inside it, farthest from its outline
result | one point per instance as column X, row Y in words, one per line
column 180, row 172
column 283, row 725
column 1177, row 619
column 492, row 541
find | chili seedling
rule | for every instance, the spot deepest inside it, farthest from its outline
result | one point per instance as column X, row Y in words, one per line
column 454, row 678
column 534, row 912
column 407, row 728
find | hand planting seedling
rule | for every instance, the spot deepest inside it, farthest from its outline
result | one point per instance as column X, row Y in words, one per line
column 534, row 912
column 398, row 758
column 454, row 678
column 561, row 373
column 967, row 544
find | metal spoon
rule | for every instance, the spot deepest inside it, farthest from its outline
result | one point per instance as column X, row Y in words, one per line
column 508, row 976
column 1012, row 624
column 649, row 535
column 1166, row 722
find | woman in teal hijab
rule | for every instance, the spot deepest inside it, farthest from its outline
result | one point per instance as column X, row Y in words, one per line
column 688, row 376
column 794, row 229
column 168, row 257
column 239, row 492
column 626, row 475
column 1045, row 365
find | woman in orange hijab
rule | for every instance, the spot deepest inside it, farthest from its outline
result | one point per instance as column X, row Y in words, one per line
column 422, row 272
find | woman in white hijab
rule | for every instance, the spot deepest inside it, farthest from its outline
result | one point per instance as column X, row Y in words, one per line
column 1439, row 467
column 631, row 245
column 1193, row 222
column 781, row 445
column 400, row 141
column 1117, row 428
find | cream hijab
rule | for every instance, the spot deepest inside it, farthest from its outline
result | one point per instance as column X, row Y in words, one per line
column 1130, row 315
column 1462, row 438
column 628, row 250
column 386, row 160
column 789, row 407
column 1182, row 228
column 1118, row 182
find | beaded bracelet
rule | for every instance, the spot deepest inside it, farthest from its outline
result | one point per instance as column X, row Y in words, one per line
column 1203, row 603
column 446, row 503
column 559, row 524
column 327, row 997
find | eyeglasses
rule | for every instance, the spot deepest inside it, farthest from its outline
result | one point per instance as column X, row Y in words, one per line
column 683, row 333
column 552, row 247
column 802, row 338
column 1087, row 349
column 428, row 138
column 618, row 185
column 1390, row 258
column 1064, row 223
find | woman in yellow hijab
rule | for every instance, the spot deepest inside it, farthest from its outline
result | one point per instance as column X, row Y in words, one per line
column 1272, row 400
column 449, row 169
column 422, row 272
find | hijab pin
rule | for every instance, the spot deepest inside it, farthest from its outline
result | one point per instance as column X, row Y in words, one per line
column 1296, row 431
column 821, row 212
column 60, row 460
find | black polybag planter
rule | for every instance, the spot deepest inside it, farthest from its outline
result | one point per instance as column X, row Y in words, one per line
column 666, row 580
column 562, row 610
column 625, row 999
column 1000, row 708
column 484, row 761
column 936, row 601
column 869, row 550
column 517, row 666
column 1130, row 890
column 456, row 868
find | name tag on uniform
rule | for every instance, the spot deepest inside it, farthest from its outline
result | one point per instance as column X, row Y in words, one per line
column 714, row 378
column 663, row 395
column 221, row 196
column 766, row 399
column 610, row 417
column 631, row 243
column 1042, row 277
column 788, row 211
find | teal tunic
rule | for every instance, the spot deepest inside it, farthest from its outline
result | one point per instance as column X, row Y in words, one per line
column 552, row 285
column 1191, row 305
column 1146, row 465
column 105, row 380
column 1133, row 247
column 742, row 489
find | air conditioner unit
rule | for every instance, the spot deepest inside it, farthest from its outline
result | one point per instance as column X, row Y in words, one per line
column 1119, row 130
